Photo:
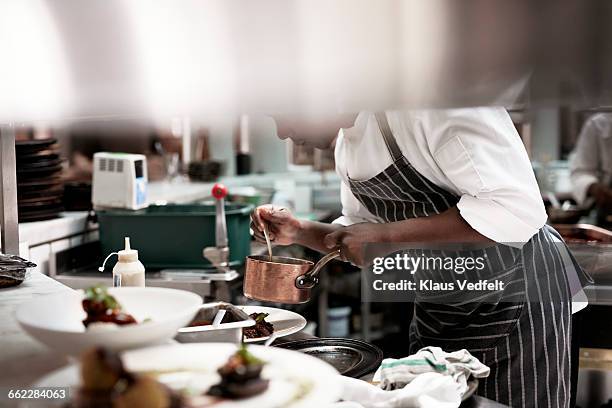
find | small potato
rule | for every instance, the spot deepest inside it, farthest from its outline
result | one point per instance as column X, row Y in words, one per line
column 145, row 392
column 100, row 370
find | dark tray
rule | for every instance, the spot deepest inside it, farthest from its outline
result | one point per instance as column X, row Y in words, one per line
column 352, row 358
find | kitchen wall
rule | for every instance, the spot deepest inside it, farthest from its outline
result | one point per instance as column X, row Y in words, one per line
column 268, row 152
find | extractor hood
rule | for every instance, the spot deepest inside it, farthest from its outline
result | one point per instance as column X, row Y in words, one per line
column 71, row 58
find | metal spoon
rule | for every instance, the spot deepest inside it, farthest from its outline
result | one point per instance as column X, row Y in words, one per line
column 267, row 235
column 270, row 340
column 219, row 317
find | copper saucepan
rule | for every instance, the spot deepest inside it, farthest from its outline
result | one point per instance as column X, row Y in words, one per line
column 282, row 279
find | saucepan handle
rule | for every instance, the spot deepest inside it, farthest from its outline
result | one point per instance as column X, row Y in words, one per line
column 310, row 278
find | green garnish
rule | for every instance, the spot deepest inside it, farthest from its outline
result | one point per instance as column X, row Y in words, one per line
column 260, row 317
column 247, row 357
column 99, row 294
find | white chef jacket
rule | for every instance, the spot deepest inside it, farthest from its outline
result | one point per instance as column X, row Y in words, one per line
column 591, row 161
column 475, row 153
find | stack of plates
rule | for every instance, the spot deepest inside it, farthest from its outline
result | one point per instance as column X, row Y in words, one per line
column 39, row 186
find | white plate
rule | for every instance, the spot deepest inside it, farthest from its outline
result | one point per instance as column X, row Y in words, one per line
column 285, row 322
column 297, row 380
column 57, row 320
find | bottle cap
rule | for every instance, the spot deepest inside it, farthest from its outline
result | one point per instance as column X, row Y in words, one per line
column 128, row 254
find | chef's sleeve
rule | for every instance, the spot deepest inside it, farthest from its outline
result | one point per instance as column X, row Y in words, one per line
column 353, row 212
column 482, row 155
column 584, row 163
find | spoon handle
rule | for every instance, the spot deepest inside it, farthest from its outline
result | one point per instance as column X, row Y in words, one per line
column 267, row 235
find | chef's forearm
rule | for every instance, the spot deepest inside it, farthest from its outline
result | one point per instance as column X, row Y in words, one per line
column 312, row 233
column 448, row 226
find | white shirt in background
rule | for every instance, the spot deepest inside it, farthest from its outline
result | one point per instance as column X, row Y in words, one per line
column 475, row 153
column 591, row 161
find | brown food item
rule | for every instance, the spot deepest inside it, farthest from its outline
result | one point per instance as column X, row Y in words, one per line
column 105, row 383
column 261, row 327
column 102, row 307
column 200, row 323
column 240, row 376
column 111, row 316
column 146, row 392
column 100, row 370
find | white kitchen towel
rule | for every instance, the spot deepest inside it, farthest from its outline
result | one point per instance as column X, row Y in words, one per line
column 428, row 390
column 430, row 378
column 458, row 365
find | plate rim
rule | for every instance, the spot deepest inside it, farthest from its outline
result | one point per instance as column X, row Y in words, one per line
column 79, row 293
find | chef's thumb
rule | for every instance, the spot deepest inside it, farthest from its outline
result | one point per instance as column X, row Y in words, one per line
column 264, row 215
column 272, row 214
column 332, row 240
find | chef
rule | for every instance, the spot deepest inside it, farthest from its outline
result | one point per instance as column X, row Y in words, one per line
column 452, row 176
column 591, row 166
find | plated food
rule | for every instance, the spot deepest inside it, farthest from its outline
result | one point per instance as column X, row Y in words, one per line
column 215, row 322
column 240, row 376
column 103, row 308
column 104, row 382
column 249, row 324
column 261, row 327
column 277, row 322
column 209, row 375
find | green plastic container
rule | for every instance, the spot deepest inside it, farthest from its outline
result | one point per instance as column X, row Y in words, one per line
column 174, row 235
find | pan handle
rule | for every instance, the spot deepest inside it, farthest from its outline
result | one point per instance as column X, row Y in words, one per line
column 310, row 278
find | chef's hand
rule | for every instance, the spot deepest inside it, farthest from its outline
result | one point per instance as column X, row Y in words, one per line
column 283, row 227
column 351, row 240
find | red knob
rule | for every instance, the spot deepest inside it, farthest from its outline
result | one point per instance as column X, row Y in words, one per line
column 219, row 191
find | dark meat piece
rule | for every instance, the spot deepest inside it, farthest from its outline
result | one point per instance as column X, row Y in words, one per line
column 102, row 307
column 200, row 323
column 114, row 316
column 239, row 390
column 261, row 327
column 240, row 376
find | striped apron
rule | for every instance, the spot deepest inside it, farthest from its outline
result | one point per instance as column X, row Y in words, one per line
column 522, row 332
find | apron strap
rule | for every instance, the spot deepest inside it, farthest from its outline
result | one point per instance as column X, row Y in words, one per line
column 385, row 129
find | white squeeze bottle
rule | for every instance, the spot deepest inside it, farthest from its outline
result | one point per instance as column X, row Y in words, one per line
column 128, row 270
